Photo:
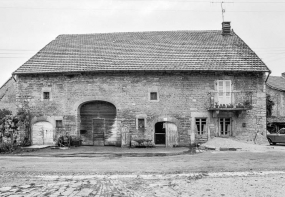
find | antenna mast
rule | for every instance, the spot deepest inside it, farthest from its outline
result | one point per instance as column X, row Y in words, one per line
column 223, row 10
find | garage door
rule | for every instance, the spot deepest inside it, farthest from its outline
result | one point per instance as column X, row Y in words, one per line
column 42, row 133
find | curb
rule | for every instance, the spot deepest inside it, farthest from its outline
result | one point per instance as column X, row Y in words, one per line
column 104, row 154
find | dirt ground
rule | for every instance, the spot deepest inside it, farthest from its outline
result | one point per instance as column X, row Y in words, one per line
column 211, row 173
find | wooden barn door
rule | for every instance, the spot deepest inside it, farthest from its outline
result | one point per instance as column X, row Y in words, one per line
column 166, row 134
column 97, row 120
column 171, row 134
column 98, row 132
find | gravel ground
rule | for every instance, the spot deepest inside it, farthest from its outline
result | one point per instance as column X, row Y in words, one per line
column 263, row 184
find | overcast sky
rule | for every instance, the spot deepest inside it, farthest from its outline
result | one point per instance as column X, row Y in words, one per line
column 26, row 26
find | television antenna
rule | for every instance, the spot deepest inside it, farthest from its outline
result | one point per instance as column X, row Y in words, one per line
column 223, row 10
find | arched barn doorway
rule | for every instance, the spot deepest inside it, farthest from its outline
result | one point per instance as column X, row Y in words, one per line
column 166, row 134
column 97, row 119
column 42, row 133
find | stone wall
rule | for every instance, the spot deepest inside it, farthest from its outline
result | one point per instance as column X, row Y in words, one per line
column 181, row 96
column 278, row 97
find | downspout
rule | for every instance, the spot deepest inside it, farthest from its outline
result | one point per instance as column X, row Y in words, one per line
column 265, row 101
column 268, row 76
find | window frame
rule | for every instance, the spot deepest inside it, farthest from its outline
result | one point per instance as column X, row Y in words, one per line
column 141, row 116
column 46, row 90
column 200, row 131
column 222, row 96
column 149, row 96
column 56, row 123
column 45, row 93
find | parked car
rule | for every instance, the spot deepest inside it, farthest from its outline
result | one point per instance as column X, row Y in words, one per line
column 278, row 137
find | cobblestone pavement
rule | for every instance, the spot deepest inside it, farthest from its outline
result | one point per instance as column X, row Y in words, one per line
column 263, row 184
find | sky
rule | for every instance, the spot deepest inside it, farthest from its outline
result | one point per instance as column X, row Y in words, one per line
column 26, row 26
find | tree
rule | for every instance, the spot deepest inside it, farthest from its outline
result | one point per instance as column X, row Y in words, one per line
column 4, row 112
column 269, row 105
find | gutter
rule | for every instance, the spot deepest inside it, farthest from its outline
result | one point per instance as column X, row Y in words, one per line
column 13, row 76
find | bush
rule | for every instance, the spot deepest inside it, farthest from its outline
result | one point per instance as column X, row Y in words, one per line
column 4, row 113
column 6, row 147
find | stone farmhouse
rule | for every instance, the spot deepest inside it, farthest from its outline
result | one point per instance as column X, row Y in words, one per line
column 8, row 95
column 171, row 87
column 276, row 90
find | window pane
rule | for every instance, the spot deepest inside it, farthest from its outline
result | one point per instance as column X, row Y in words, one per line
column 58, row 123
column 46, row 95
column 153, row 96
column 140, row 123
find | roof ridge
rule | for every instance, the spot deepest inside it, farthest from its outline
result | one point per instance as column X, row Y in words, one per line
column 122, row 32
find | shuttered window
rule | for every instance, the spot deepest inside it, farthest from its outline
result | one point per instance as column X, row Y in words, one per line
column 224, row 91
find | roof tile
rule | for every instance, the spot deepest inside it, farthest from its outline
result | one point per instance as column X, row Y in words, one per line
column 166, row 50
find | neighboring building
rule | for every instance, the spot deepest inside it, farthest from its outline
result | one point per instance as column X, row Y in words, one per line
column 276, row 90
column 8, row 96
column 173, row 87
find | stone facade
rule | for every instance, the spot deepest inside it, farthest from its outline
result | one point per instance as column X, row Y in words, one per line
column 8, row 96
column 276, row 89
column 277, row 119
column 181, row 98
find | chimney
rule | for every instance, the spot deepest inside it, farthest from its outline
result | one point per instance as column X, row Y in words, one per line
column 283, row 75
column 226, row 27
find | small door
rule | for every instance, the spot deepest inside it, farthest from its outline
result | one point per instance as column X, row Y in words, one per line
column 160, row 131
column 225, row 127
column 98, row 132
column 42, row 133
column 171, row 134
column 166, row 134
column 224, row 91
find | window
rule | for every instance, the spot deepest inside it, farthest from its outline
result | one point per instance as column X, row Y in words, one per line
column 153, row 96
column 224, row 91
column 46, row 95
column 201, row 125
column 141, row 122
column 58, row 123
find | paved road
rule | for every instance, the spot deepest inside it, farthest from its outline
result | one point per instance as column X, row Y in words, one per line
column 150, row 176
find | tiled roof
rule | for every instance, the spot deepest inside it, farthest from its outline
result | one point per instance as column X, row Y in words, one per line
column 276, row 82
column 134, row 51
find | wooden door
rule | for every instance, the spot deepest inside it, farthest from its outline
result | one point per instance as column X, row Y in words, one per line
column 159, row 135
column 42, row 133
column 98, row 132
column 225, row 127
column 171, row 134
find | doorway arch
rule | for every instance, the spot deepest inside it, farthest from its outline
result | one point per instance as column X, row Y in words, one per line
column 96, row 121
column 165, row 134
column 42, row 133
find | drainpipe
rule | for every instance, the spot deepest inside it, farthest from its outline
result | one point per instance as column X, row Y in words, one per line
column 265, row 104
column 268, row 76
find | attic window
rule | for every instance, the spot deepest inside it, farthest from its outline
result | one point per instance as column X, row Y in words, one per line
column 46, row 95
